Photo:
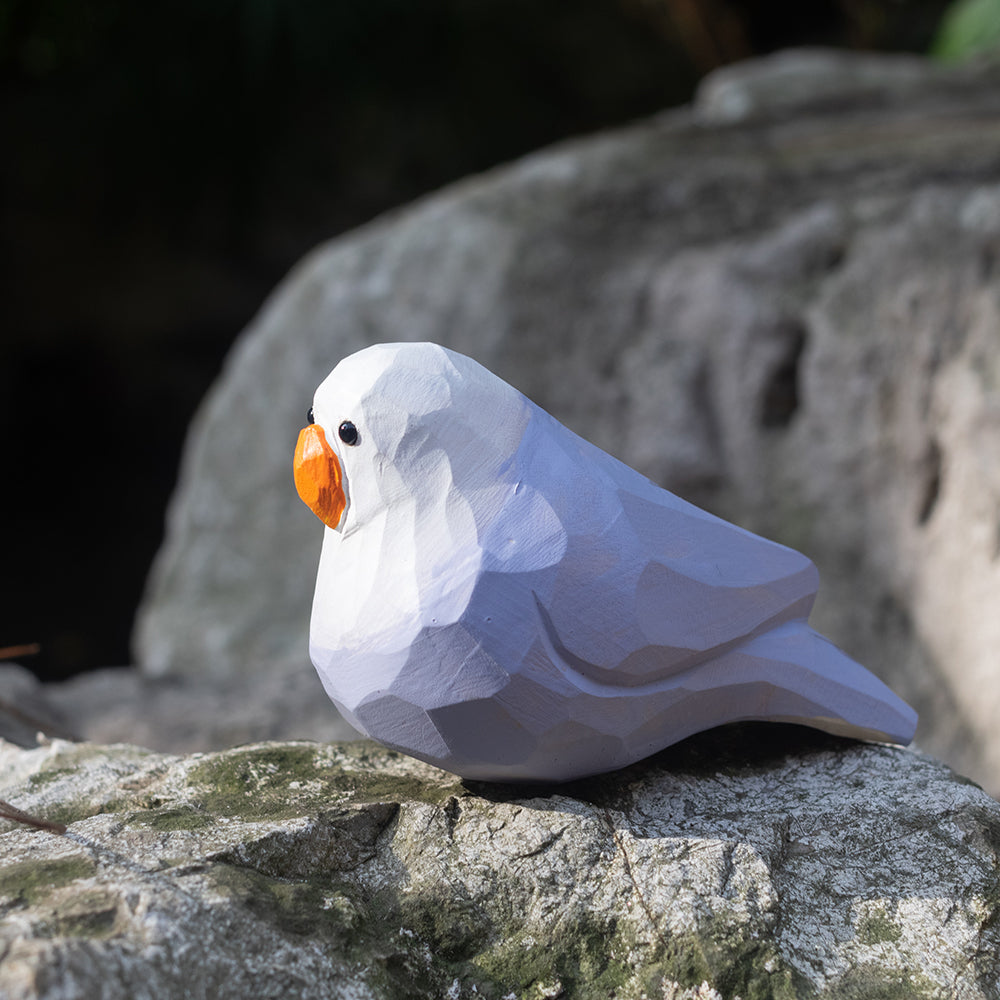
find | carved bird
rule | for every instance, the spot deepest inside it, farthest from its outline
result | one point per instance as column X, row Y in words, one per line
column 505, row 600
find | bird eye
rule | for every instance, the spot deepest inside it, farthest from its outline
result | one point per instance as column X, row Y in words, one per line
column 309, row 416
column 348, row 432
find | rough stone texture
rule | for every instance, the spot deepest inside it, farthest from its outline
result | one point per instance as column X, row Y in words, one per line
column 753, row 861
column 780, row 303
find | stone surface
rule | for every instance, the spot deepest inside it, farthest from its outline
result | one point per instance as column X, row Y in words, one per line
column 754, row 861
column 820, row 80
column 120, row 704
column 184, row 715
column 779, row 303
column 27, row 708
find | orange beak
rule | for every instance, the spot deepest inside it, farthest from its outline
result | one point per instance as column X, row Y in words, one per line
column 318, row 477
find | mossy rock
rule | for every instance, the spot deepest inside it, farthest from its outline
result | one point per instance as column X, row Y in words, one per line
column 755, row 861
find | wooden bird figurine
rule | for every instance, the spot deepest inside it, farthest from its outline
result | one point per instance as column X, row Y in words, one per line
column 503, row 599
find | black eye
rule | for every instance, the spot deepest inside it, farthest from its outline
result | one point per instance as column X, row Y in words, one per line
column 309, row 416
column 348, row 432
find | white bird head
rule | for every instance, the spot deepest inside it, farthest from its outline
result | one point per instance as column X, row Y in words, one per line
column 404, row 425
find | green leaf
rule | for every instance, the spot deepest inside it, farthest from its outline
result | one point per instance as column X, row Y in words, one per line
column 968, row 28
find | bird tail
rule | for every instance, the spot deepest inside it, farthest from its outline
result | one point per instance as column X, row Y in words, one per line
column 794, row 674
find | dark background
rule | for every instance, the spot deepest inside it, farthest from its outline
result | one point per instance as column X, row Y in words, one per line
column 162, row 166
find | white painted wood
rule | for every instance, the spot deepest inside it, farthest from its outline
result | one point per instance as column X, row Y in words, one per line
column 507, row 601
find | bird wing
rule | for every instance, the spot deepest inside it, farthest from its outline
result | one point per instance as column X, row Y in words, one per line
column 647, row 584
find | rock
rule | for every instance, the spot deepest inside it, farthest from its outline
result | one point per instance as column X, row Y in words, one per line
column 27, row 708
column 754, row 861
column 181, row 715
column 817, row 79
column 779, row 303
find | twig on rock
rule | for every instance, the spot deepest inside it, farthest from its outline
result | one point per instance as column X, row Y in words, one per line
column 7, row 811
column 25, row 649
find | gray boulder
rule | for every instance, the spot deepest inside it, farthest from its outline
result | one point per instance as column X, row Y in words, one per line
column 754, row 861
column 27, row 709
column 779, row 302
